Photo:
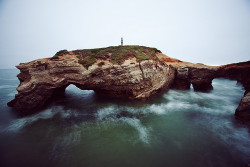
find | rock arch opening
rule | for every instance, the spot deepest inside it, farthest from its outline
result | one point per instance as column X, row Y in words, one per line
column 71, row 96
column 72, row 90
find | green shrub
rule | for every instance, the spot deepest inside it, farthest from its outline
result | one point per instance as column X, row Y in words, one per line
column 59, row 53
column 142, row 56
column 116, row 54
column 116, row 59
column 87, row 61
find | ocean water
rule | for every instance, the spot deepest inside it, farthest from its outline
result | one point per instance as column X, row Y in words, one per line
column 81, row 128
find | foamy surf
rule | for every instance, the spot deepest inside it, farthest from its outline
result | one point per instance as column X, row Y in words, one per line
column 84, row 129
column 20, row 123
column 143, row 132
column 114, row 114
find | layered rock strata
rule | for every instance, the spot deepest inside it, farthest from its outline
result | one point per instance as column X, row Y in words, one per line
column 243, row 110
column 201, row 76
column 132, row 79
column 134, row 74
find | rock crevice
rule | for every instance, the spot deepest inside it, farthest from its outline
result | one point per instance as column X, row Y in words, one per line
column 201, row 76
column 132, row 79
column 131, row 72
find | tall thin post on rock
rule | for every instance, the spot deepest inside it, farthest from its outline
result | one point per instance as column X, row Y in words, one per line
column 121, row 41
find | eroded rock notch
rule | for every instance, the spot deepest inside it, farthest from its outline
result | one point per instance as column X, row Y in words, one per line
column 132, row 72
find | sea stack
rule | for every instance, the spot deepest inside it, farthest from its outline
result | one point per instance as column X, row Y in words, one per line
column 132, row 72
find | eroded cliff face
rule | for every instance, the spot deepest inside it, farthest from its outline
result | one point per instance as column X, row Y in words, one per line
column 243, row 110
column 201, row 76
column 132, row 72
column 133, row 78
column 241, row 73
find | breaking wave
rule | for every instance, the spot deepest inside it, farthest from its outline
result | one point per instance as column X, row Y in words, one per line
column 213, row 111
column 18, row 124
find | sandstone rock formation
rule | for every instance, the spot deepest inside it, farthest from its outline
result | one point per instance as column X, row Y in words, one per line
column 133, row 72
column 242, row 112
column 201, row 76
column 133, row 78
column 241, row 73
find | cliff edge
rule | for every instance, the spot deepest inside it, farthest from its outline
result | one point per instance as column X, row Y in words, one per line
column 133, row 72
column 201, row 76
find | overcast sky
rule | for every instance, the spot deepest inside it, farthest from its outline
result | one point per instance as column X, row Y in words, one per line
column 201, row 31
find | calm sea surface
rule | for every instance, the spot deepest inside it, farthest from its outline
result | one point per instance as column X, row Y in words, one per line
column 178, row 128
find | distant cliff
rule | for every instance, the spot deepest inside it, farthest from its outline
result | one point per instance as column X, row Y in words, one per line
column 133, row 72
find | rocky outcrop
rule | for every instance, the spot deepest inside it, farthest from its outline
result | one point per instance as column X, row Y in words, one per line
column 241, row 73
column 237, row 71
column 201, row 76
column 132, row 79
column 181, row 80
column 243, row 110
column 132, row 72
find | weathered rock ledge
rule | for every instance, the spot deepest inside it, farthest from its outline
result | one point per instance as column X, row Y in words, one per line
column 131, row 72
column 133, row 78
column 201, row 76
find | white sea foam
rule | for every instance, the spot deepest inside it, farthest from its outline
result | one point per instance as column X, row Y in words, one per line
column 157, row 109
column 136, row 123
column 216, row 102
column 68, row 113
column 226, row 132
column 106, row 112
column 62, row 143
column 165, row 108
column 110, row 113
column 12, row 94
column 20, row 123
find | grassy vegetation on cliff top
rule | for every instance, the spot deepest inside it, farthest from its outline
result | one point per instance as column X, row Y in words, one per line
column 59, row 53
column 117, row 54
